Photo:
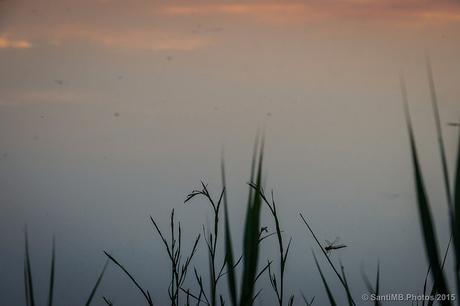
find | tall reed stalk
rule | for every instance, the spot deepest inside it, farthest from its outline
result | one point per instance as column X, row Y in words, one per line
column 211, row 239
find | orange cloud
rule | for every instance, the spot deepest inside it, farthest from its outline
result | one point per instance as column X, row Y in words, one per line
column 260, row 11
column 6, row 43
column 136, row 38
column 166, row 26
column 232, row 9
column 441, row 11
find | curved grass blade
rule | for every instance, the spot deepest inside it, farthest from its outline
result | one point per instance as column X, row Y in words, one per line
column 28, row 274
column 445, row 170
column 326, row 286
column 107, row 301
column 144, row 293
column 98, row 281
column 229, row 259
column 437, row 119
column 251, row 234
column 426, row 220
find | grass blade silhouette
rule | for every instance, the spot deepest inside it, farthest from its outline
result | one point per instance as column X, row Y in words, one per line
column 251, row 233
column 278, row 287
column 347, row 287
column 325, row 254
column 51, row 287
column 445, row 170
column 211, row 236
column 440, row 139
column 426, row 220
column 107, row 301
column 144, row 293
column 425, row 283
column 305, row 300
column 376, row 290
column 456, row 229
column 96, row 285
column 326, row 286
column 377, row 284
column 28, row 274
column 434, row 289
column 232, row 286
column 26, row 284
column 179, row 265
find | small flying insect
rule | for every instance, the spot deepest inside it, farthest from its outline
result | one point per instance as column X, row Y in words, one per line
column 453, row 124
column 332, row 246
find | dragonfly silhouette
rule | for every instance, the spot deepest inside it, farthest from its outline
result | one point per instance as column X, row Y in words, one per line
column 332, row 246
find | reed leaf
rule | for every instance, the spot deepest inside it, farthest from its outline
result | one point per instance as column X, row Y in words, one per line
column 326, row 286
column 229, row 259
column 28, row 274
column 251, row 233
column 456, row 230
column 96, row 285
column 347, row 287
column 428, row 229
column 51, row 286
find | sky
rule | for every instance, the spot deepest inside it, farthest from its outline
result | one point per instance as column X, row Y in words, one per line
column 111, row 111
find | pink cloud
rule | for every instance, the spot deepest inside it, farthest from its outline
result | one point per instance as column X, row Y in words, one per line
column 290, row 11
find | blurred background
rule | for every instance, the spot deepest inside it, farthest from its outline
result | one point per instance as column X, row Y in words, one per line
column 111, row 111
